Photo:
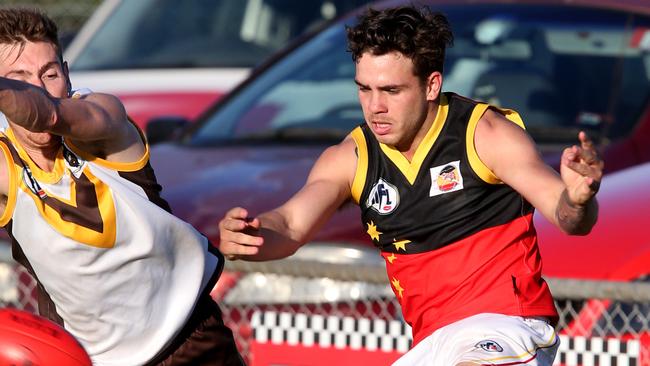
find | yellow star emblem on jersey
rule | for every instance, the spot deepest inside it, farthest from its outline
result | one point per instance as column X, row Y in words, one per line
column 373, row 232
column 398, row 288
column 391, row 258
column 400, row 244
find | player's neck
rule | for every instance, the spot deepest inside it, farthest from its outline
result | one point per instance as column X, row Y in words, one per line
column 41, row 147
column 409, row 151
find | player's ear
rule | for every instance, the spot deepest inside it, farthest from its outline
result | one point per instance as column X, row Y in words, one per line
column 66, row 74
column 434, row 85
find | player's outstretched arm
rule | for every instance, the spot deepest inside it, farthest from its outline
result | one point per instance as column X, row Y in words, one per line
column 93, row 117
column 568, row 200
column 280, row 232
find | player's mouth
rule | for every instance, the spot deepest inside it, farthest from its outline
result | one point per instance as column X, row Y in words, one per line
column 381, row 128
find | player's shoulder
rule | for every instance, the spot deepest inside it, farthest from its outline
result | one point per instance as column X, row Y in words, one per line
column 339, row 159
column 494, row 124
column 345, row 149
column 109, row 102
column 492, row 118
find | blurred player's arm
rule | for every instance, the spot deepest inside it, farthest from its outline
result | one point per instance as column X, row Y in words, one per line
column 93, row 117
column 280, row 232
column 567, row 200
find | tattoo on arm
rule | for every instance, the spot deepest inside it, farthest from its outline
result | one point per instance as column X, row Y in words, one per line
column 576, row 219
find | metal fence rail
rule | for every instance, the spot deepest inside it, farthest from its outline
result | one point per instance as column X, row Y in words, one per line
column 561, row 288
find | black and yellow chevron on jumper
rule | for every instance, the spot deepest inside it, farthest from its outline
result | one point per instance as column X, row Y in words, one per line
column 87, row 214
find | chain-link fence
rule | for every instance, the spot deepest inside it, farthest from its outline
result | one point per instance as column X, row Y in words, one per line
column 294, row 312
column 601, row 323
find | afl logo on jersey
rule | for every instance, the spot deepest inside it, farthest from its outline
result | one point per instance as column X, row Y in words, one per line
column 489, row 346
column 383, row 197
column 446, row 178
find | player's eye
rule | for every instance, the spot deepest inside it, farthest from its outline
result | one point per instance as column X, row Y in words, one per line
column 51, row 75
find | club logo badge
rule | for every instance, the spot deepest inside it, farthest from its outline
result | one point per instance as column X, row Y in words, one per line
column 446, row 178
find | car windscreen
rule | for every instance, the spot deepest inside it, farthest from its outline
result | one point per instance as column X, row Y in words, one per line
column 201, row 33
column 563, row 69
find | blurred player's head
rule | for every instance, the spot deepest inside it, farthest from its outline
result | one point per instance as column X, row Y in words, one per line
column 21, row 25
column 30, row 50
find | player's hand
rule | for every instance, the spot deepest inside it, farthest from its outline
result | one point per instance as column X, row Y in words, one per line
column 239, row 236
column 581, row 169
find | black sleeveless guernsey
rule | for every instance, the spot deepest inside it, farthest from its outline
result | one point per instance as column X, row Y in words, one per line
column 456, row 240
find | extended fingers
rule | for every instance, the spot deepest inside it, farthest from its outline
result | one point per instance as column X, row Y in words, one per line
column 236, row 244
column 242, row 238
column 592, row 170
column 239, row 234
column 239, row 231
column 233, row 224
column 580, row 168
column 237, row 213
column 571, row 154
column 242, row 244
column 234, row 251
column 585, row 140
column 236, row 219
column 585, row 153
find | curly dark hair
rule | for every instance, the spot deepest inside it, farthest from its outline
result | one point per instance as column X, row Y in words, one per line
column 419, row 34
column 21, row 25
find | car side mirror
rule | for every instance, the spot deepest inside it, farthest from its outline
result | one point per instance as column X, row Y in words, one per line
column 165, row 128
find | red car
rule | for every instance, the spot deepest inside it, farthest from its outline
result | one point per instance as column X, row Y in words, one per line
column 564, row 65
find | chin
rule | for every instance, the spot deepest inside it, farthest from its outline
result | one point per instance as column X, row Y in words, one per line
column 43, row 138
column 386, row 139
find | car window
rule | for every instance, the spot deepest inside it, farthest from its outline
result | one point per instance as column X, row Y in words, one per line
column 202, row 33
column 563, row 69
column 313, row 90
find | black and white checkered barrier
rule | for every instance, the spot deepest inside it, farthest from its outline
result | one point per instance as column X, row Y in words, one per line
column 582, row 351
column 331, row 331
column 388, row 336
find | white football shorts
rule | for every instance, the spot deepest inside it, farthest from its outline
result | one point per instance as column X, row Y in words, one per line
column 487, row 339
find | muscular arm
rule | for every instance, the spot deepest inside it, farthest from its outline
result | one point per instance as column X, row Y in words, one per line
column 567, row 200
column 280, row 232
column 91, row 119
